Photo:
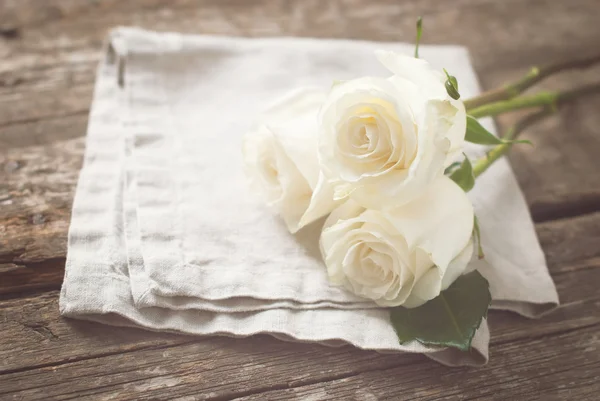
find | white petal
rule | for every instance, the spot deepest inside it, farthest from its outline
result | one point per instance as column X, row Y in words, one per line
column 321, row 203
column 419, row 71
column 429, row 286
column 402, row 186
column 296, row 192
column 409, row 89
column 286, row 144
column 348, row 210
column 458, row 266
column 260, row 163
column 345, row 96
column 457, row 131
column 426, row 243
column 440, row 222
column 426, row 288
column 423, row 83
column 294, row 122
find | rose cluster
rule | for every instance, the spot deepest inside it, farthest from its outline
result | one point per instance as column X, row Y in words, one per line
column 371, row 153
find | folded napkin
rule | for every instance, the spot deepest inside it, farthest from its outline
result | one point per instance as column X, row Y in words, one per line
column 164, row 231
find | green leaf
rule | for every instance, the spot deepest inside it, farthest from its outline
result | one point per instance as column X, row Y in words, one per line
column 419, row 32
column 451, row 168
column 451, row 319
column 476, row 133
column 463, row 175
column 477, row 235
column 451, row 85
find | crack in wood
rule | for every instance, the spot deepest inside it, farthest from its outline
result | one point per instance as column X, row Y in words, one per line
column 38, row 327
column 587, row 204
column 96, row 356
column 10, row 32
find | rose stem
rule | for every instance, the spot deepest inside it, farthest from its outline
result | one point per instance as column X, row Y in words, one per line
column 534, row 76
column 513, row 132
column 546, row 98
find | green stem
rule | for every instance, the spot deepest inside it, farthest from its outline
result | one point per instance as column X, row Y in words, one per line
column 541, row 99
column 558, row 100
column 524, row 102
column 534, row 76
column 500, row 150
column 419, row 32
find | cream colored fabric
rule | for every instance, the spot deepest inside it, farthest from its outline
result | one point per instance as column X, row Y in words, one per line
column 166, row 235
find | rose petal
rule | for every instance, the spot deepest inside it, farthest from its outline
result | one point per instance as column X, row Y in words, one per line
column 440, row 222
column 416, row 70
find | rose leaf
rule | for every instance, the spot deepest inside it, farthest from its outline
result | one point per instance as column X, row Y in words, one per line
column 463, row 175
column 476, row 133
column 451, row 168
column 449, row 320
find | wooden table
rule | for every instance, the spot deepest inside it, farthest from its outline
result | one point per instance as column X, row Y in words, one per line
column 49, row 50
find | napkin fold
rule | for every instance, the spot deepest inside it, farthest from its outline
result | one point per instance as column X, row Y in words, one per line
column 165, row 234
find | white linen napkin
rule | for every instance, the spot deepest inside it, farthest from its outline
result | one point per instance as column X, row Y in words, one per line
column 166, row 235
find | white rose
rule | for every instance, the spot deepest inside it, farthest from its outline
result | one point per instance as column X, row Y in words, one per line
column 383, row 141
column 280, row 156
column 403, row 256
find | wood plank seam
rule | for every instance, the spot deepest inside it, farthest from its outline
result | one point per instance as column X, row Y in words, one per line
column 558, row 211
column 459, row 391
column 527, row 339
column 526, row 379
column 98, row 356
column 289, row 385
column 44, row 118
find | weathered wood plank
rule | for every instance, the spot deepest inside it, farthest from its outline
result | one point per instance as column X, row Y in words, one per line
column 207, row 370
column 35, row 204
column 569, row 27
column 572, row 243
column 72, row 31
column 18, row 108
column 560, row 173
column 531, row 369
column 67, row 46
column 63, row 33
column 23, row 349
column 16, row 279
column 33, row 334
column 570, row 251
column 222, row 367
column 47, row 130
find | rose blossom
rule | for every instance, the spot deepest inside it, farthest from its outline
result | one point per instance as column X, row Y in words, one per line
column 384, row 140
column 280, row 157
column 402, row 256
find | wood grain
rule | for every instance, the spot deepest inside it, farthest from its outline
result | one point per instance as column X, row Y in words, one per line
column 560, row 174
column 23, row 349
column 221, row 368
column 47, row 344
column 36, row 195
column 515, row 371
column 49, row 51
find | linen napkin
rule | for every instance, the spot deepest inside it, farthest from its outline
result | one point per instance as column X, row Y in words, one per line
column 165, row 234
